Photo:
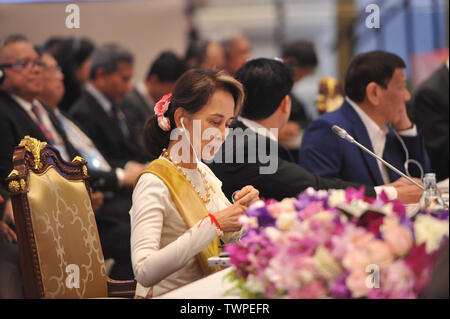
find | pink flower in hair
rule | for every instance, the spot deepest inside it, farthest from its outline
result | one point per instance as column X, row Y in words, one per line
column 160, row 108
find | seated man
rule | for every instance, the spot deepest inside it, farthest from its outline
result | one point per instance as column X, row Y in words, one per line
column 431, row 113
column 205, row 54
column 137, row 105
column 301, row 56
column 237, row 51
column 97, row 111
column 112, row 217
column 374, row 113
column 21, row 114
column 251, row 154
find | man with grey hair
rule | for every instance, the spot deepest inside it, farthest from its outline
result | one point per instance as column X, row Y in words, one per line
column 21, row 114
column 237, row 51
column 97, row 111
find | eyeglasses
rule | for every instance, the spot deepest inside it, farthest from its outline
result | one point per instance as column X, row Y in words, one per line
column 26, row 64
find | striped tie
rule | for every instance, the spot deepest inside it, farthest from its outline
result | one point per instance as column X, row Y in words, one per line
column 44, row 130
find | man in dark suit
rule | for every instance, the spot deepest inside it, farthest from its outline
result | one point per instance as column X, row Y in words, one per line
column 302, row 58
column 22, row 114
column 251, row 154
column 431, row 113
column 97, row 111
column 374, row 113
column 137, row 105
column 112, row 218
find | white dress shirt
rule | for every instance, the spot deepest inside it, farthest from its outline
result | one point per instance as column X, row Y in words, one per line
column 57, row 139
column 390, row 191
column 163, row 250
column 377, row 136
column 101, row 99
column 258, row 128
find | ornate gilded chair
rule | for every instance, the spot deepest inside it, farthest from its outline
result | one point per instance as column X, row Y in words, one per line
column 331, row 95
column 60, row 251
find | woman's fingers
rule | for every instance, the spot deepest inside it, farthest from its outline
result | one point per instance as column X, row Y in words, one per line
column 249, row 198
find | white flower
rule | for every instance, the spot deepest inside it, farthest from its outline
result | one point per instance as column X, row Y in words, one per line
column 257, row 204
column 326, row 264
column 388, row 209
column 430, row 230
column 322, row 193
column 248, row 222
column 337, row 196
column 285, row 220
column 273, row 233
column 355, row 208
column 287, row 205
column 310, row 191
column 254, row 284
column 325, row 216
column 306, row 276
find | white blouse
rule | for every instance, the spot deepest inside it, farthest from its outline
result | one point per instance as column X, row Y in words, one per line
column 163, row 250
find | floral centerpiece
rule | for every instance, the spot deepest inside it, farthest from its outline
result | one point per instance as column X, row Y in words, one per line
column 336, row 244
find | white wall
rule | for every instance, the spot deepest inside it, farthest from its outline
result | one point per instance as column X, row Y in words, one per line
column 144, row 27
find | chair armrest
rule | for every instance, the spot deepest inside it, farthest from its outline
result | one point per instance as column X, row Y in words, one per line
column 121, row 288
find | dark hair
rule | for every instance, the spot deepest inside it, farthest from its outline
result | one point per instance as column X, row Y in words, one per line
column 266, row 82
column 192, row 92
column 71, row 53
column 301, row 54
column 167, row 66
column 374, row 66
column 108, row 57
column 52, row 45
column 196, row 52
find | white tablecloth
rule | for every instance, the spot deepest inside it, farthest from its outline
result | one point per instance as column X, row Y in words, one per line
column 211, row 287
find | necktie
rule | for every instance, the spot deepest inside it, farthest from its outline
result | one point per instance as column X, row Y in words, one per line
column 119, row 120
column 44, row 130
column 83, row 145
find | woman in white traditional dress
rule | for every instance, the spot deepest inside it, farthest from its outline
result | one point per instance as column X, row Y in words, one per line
column 180, row 215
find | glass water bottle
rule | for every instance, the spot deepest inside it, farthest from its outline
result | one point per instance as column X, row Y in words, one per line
column 431, row 199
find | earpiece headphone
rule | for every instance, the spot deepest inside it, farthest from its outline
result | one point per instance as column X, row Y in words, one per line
column 189, row 139
column 408, row 160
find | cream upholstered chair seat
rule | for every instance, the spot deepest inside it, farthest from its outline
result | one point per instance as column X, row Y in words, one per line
column 60, row 250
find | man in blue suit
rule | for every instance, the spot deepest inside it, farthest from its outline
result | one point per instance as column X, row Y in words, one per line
column 374, row 113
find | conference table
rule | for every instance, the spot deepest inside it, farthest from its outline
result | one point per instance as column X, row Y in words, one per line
column 213, row 286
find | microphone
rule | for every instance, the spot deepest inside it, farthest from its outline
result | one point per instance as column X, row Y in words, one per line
column 339, row 131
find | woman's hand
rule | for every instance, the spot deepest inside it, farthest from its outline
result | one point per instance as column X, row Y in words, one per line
column 246, row 196
column 228, row 218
